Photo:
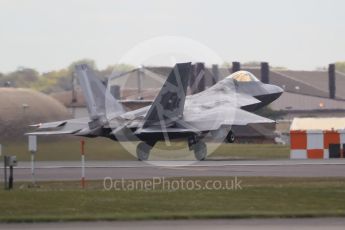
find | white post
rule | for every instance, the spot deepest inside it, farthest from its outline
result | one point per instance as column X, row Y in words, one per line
column 33, row 168
column 82, row 144
column 33, row 150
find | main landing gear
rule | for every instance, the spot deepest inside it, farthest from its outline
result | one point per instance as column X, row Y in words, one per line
column 143, row 150
column 199, row 147
column 200, row 151
column 195, row 144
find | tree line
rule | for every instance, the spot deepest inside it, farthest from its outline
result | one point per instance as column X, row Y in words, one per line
column 53, row 81
column 61, row 80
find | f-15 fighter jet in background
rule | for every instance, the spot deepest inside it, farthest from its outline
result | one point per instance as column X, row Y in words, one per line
column 172, row 114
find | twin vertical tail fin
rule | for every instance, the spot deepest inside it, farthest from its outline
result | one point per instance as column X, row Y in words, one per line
column 93, row 90
column 166, row 109
column 168, row 105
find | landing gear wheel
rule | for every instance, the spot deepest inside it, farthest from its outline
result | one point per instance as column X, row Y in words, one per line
column 230, row 137
column 200, row 151
column 143, row 151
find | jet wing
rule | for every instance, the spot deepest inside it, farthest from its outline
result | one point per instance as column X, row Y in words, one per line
column 214, row 118
column 80, row 126
column 167, row 130
column 209, row 119
column 52, row 132
column 49, row 125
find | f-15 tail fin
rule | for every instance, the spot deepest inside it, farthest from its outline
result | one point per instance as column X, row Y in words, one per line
column 93, row 90
column 168, row 105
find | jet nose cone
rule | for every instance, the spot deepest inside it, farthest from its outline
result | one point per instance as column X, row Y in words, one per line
column 276, row 92
column 270, row 94
column 279, row 90
column 273, row 92
column 273, row 89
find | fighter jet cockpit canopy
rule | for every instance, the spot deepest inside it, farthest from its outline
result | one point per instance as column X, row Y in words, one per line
column 243, row 76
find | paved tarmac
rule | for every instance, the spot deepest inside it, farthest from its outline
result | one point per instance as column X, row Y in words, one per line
column 257, row 224
column 59, row 170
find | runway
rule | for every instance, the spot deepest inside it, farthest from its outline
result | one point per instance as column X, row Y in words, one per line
column 53, row 170
column 257, row 224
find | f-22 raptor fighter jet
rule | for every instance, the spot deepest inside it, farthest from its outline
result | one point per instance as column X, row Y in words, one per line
column 172, row 115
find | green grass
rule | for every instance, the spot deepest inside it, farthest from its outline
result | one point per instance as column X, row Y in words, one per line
column 104, row 149
column 69, row 150
column 259, row 197
column 253, row 151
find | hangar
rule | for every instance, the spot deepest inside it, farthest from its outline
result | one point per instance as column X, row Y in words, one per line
column 317, row 138
column 20, row 108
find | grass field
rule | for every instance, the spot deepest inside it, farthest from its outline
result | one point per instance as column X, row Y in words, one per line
column 104, row 149
column 259, row 197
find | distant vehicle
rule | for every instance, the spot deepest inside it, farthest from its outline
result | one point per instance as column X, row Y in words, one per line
column 172, row 114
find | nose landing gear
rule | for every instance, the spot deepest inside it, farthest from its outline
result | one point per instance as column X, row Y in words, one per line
column 230, row 138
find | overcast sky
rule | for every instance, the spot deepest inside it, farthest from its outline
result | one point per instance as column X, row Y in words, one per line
column 47, row 34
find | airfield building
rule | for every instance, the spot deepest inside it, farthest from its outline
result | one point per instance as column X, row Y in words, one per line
column 317, row 138
column 20, row 108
